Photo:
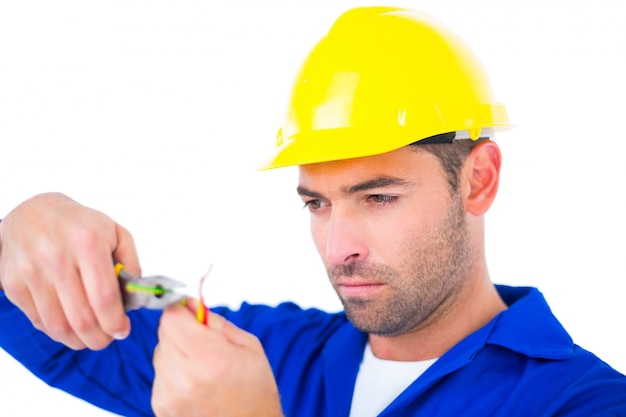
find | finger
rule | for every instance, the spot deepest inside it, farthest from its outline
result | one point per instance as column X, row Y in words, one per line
column 93, row 253
column 169, row 363
column 170, row 380
column 66, row 287
column 105, row 299
column 177, row 326
column 157, row 383
column 185, row 348
column 17, row 292
column 79, row 313
column 21, row 297
column 162, row 379
column 178, row 329
column 53, row 320
column 27, row 287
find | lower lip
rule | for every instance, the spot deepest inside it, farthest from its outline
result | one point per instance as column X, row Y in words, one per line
column 366, row 290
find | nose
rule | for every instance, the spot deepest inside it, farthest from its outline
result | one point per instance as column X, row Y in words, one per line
column 345, row 241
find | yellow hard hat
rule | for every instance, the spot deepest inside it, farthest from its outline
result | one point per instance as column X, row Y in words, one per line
column 381, row 79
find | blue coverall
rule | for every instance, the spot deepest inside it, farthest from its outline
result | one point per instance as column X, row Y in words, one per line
column 522, row 363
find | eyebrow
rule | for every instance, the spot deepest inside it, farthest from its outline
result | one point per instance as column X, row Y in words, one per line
column 378, row 182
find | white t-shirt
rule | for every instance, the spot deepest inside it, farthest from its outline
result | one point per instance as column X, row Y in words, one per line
column 380, row 381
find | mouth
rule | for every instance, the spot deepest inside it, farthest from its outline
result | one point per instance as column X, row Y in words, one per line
column 358, row 289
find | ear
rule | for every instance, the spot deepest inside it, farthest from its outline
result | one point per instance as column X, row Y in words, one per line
column 481, row 176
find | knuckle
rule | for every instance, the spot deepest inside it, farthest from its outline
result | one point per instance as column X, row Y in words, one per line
column 162, row 400
column 254, row 341
column 109, row 303
column 37, row 323
column 159, row 404
column 217, row 322
column 86, row 329
column 84, row 323
column 99, row 343
column 86, row 238
column 17, row 292
column 53, row 262
column 16, row 273
column 125, row 234
column 116, row 329
column 59, row 330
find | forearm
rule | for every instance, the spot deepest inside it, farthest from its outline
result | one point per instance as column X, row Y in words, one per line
column 105, row 378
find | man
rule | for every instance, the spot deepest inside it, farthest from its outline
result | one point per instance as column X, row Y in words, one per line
column 390, row 123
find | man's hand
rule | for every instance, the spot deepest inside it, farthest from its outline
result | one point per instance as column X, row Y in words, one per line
column 214, row 370
column 56, row 265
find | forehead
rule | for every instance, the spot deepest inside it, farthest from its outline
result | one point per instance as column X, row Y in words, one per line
column 408, row 162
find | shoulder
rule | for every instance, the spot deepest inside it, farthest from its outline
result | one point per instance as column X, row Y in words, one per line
column 541, row 357
column 590, row 384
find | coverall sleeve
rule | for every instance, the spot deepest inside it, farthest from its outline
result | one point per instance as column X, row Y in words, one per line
column 117, row 378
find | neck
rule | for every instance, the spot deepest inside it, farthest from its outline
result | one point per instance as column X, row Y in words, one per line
column 454, row 320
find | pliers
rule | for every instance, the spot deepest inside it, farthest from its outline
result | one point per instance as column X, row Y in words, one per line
column 154, row 292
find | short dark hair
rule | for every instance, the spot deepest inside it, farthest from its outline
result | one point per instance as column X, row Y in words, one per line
column 451, row 155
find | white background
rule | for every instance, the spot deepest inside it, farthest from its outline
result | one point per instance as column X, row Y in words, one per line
column 158, row 112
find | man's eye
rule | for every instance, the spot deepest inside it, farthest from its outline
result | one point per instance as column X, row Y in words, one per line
column 313, row 205
column 382, row 198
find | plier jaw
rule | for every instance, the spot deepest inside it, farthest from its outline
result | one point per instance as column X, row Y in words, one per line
column 154, row 292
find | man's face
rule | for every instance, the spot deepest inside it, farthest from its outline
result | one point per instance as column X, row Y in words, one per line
column 394, row 241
